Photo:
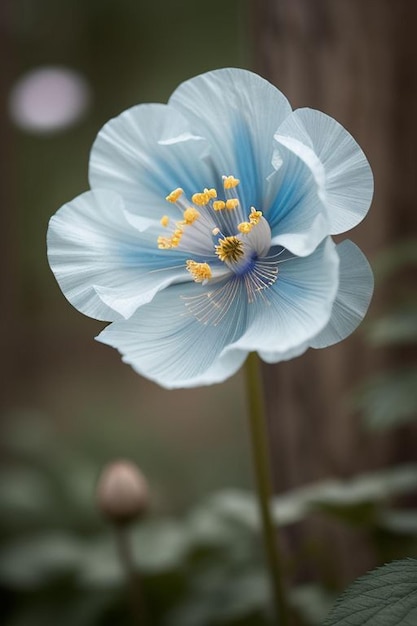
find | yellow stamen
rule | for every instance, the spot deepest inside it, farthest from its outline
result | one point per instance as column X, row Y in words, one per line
column 164, row 220
column 219, row 205
column 201, row 199
column 164, row 243
column 245, row 227
column 229, row 249
column 230, row 181
column 190, row 215
column 255, row 216
column 232, row 203
column 174, row 195
column 201, row 272
column 176, row 237
column 254, row 219
column 212, row 193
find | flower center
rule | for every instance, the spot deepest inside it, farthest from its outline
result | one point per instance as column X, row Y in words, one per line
column 216, row 230
column 229, row 249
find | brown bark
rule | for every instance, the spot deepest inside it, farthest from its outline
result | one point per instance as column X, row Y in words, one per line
column 355, row 60
column 10, row 328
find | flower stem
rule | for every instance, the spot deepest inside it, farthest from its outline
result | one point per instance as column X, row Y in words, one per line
column 260, row 452
column 124, row 548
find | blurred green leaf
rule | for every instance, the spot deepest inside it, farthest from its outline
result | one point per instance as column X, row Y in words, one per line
column 208, row 528
column 397, row 328
column 362, row 515
column 25, row 498
column 353, row 499
column 160, row 545
column 336, row 495
column 99, row 565
column 403, row 522
column 74, row 484
column 223, row 586
column 312, row 603
column 386, row 596
column 370, row 486
column 218, row 538
column 389, row 399
column 396, row 258
column 225, row 597
column 237, row 506
column 30, row 563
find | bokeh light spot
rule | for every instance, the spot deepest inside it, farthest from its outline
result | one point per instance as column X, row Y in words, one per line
column 49, row 99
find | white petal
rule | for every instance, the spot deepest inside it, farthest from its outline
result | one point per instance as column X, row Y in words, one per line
column 238, row 112
column 353, row 297
column 145, row 153
column 349, row 180
column 286, row 355
column 294, row 200
column 228, row 363
column 165, row 341
column 104, row 266
column 295, row 308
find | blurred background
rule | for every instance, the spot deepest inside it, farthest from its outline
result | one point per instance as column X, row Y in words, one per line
column 341, row 421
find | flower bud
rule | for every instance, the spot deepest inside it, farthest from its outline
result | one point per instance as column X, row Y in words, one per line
column 122, row 492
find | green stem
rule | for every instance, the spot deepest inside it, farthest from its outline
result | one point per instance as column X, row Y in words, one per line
column 124, row 548
column 260, row 452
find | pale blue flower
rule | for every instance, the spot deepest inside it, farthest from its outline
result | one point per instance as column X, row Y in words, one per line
column 239, row 257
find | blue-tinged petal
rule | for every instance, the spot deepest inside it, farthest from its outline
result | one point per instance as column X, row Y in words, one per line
column 356, row 285
column 105, row 267
column 228, row 363
column 145, row 153
column 168, row 342
column 349, row 180
column 294, row 200
column 287, row 355
column 285, row 317
column 239, row 112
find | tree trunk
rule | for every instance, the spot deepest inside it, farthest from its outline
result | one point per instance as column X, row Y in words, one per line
column 10, row 328
column 355, row 60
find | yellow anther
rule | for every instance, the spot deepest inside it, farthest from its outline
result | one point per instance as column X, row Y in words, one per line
column 232, row 203
column 174, row 195
column 176, row 237
column 190, row 215
column 255, row 216
column 218, row 205
column 212, row 193
column 201, row 272
column 229, row 249
column 200, row 199
column 245, row 227
column 164, row 220
column 230, row 181
column 164, row 243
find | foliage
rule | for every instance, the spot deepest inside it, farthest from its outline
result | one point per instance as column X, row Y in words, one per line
column 58, row 560
column 386, row 596
column 389, row 399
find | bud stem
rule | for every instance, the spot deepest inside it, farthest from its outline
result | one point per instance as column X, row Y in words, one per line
column 133, row 581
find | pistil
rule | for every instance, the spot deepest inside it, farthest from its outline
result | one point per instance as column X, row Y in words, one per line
column 230, row 249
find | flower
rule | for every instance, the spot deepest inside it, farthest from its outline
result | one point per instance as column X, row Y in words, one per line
column 207, row 232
